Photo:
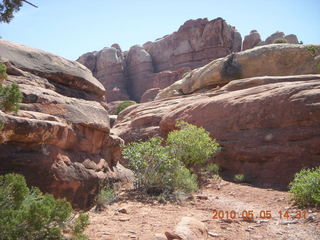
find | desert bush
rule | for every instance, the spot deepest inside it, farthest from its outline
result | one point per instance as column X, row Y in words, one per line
column 123, row 105
column 29, row 214
column 280, row 40
column 241, row 178
column 213, row 168
column 312, row 49
column 10, row 97
column 306, row 187
column 191, row 145
column 184, row 180
column 106, row 195
column 79, row 226
column 3, row 73
column 156, row 168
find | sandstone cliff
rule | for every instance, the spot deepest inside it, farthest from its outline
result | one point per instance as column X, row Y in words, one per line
column 160, row 63
column 60, row 139
column 268, row 126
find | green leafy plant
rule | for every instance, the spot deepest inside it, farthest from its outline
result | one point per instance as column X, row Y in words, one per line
column 312, row 49
column 29, row 214
column 79, row 226
column 3, row 73
column 156, row 169
column 306, row 187
column 241, row 178
column 213, row 168
column 280, row 40
column 106, row 195
column 10, row 97
column 184, row 180
column 191, row 145
column 123, row 105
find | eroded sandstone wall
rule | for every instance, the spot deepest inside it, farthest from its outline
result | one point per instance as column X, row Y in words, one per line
column 60, row 138
column 160, row 63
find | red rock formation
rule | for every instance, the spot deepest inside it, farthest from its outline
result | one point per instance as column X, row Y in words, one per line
column 251, row 40
column 166, row 78
column 60, row 138
column 149, row 95
column 196, row 43
column 108, row 65
column 268, row 127
column 140, row 71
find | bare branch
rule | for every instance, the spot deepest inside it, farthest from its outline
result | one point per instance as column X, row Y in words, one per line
column 30, row 3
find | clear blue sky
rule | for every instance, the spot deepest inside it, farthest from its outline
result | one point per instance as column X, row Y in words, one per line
column 72, row 27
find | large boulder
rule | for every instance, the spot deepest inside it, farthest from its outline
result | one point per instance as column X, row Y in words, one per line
column 268, row 127
column 268, row 60
column 60, row 139
column 52, row 67
column 188, row 229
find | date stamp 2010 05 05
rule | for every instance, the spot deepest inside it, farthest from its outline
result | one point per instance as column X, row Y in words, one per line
column 262, row 214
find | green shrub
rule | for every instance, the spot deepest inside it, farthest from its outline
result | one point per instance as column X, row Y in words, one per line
column 185, row 181
column 155, row 167
column 213, row 168
column 280, row 40
column 312, row 50
column 241, row 178
column 3, row 73
column 29, row 214
column 123, row 105
column 79, row 226
column 106, row 195
column 306, row 187
column 10, row 97
column 191, row 145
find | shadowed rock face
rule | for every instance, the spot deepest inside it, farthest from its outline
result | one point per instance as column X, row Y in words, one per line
column 196, row 43
column 268, row 127
column 60, row 138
